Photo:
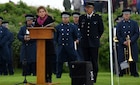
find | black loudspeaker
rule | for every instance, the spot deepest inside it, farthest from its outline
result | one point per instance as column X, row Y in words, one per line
column 81, row 73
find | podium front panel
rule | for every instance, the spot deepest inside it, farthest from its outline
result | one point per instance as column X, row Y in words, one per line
column 41, row 33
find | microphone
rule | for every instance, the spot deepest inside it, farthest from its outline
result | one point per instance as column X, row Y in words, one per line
column 26, row 37
column 27, row 32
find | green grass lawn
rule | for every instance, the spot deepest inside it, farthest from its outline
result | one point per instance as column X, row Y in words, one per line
column 103, row 79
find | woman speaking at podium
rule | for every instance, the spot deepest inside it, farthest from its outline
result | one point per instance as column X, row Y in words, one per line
column 44, row 20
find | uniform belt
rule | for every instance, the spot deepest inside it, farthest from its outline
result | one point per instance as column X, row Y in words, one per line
column 64, row 44
column 27, row 44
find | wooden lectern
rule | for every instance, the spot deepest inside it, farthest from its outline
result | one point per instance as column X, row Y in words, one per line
column 41, row 34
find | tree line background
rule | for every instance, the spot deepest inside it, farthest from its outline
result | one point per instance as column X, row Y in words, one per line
column 14, row 13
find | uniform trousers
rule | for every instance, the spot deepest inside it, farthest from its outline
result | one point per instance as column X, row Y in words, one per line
column 133, row 69
column 10, row 67
column 3, row 67
column 91, row 54
column 65, row 55
column 0, row 67
column 29, row 68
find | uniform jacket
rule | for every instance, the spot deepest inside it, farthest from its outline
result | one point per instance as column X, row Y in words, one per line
column 91, row 30
column 78, row 48
column 77, row 27
column 65, row 36
column 125, row 28
column 10, row 41
column 4, row 37
column 28, row 48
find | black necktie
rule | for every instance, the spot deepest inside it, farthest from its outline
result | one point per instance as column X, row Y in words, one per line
column 88, row 16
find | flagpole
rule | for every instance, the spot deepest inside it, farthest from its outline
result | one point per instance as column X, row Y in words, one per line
column 110, row 39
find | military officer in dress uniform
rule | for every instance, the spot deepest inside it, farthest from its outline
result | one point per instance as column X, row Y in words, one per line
column 28, row 48
column 128, row 27
column 76, row 16
column 4, row 51
column 10, row 57
column 91, row 28
column 65, row 35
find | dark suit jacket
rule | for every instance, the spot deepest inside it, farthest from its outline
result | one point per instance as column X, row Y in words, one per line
column 91, row 30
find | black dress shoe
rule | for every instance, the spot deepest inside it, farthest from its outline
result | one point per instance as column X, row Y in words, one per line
column 136, row 75
column 34, row 74
column 5, row 74
column 120, row 75
column 11, row 73
column 26, row 74
column 132, row 74
column 58, row 76
column 49, row 80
